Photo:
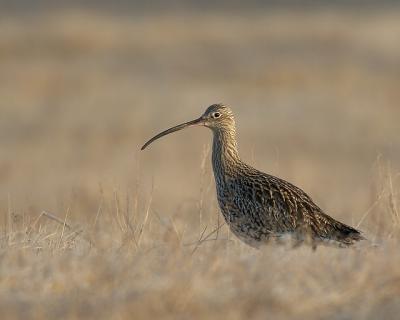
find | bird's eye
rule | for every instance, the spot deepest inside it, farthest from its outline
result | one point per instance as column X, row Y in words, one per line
column 216, row 115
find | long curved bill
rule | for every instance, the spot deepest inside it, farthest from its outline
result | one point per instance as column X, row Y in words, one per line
column 195, row 122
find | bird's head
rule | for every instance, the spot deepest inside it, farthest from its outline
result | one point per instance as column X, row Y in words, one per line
column 216, row 117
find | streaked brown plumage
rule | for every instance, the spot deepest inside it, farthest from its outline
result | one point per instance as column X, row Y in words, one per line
column 259, row 207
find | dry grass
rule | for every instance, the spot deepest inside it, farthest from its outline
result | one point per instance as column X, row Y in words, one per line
column 92, row 228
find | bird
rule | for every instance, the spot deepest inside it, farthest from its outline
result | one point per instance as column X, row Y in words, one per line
column 259, row 207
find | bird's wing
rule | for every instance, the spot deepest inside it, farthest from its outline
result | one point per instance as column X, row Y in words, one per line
column 283, row 207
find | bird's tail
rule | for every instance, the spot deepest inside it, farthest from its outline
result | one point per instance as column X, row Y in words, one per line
column 332, row 231
column 346, row 235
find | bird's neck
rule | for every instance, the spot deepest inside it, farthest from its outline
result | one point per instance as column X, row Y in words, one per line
column 225, row 157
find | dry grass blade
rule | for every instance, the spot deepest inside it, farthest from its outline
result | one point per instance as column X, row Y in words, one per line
column 64, row 224
column 206, row 238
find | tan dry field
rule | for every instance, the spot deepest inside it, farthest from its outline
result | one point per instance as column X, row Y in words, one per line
column 93, row 228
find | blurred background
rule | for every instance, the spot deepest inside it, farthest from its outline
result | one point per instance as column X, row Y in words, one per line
column 92, row 227
column 314, row 86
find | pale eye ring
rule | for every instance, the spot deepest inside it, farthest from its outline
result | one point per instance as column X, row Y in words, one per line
column 216, row 115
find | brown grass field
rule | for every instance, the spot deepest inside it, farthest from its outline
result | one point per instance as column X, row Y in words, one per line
column 92, row 228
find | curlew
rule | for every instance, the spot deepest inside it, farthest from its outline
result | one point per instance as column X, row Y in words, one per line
column 259, row 207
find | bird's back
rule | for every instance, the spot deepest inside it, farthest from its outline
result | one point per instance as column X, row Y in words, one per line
column 259, row 207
